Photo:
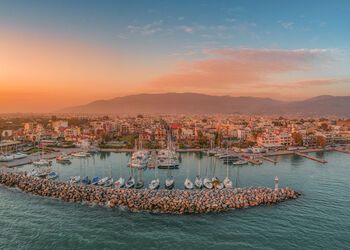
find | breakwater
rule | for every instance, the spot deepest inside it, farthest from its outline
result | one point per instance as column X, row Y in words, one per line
column 162, row 201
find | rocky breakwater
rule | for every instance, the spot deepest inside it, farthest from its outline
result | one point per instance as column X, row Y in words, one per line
column 162, row 201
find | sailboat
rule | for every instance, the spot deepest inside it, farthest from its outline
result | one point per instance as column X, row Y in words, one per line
column 121, row 181
column 188, row 184
column 155, row 182
column 169, row 182
column 206, row 181
column 227, row 182
column 130, row 182
column 140, row 182
column 217, row 184
column 198, row 181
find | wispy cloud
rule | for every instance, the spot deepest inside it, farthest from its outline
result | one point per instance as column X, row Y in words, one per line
column 286, row 24
column 147, row 29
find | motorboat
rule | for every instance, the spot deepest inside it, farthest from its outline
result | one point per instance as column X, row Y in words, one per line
column 74, row 179
column 130, row 183
column 217, row 184
column 41, row 162
column 95, row 180
column 207, row 183
column 33, row 172
column 167, row 159
column 102, row 181
column 6, row 158
column 140, row 159
column 119, row 183
column 154, row 184
column 11, row 157
column 240, row 162
column 86, row 180
column 81, row 154
column 109, row 182
column 52, row 176
column 227, row 183
column 169, row 183
column 198, row 183
column 139, row 184
column 188, row 184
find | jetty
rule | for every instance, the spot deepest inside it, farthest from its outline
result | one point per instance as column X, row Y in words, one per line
column 156, row 201
column 342, row 150
column 310, row 157
column 268, row 159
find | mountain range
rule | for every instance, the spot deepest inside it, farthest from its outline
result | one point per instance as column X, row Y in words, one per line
column 192, row 103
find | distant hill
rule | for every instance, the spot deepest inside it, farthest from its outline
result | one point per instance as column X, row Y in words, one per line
column 192, row 103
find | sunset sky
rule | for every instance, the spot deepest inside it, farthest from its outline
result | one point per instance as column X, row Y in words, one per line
column 56, row 54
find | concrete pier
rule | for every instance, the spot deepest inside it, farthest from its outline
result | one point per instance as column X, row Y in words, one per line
column 268, row 159
column 310, row 157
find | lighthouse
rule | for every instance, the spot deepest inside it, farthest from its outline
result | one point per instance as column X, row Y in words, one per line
column 276, row 184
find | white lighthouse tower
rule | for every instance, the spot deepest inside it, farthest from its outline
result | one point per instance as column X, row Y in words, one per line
column 276, row 184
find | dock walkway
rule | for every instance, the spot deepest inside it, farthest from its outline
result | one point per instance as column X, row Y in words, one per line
column 310, row 157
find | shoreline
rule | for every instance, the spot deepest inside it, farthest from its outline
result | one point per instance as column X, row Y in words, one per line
column 156, row 201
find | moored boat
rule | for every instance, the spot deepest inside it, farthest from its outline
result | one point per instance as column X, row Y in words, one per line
column 52, row 176
column 198, row 182
column 227, row 183
column 130, row 183
column 154, row 184
column 139, row 184
column 119, row 183
column 188, row 184
column 95, row 180
column 217, row 184
column 41, row 162
column 86, row 180
column 240, row 162
column 207, row 183
column 169, row 183
column 74, row 179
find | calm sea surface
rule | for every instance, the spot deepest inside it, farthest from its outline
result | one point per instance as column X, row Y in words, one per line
column 320, row 218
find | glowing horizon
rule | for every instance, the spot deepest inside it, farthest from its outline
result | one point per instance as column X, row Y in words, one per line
column 56, row 55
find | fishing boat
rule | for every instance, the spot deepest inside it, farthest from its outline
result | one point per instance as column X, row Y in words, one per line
column 240, row 162
column 207, row 183
column 95, row 180
column 188, row 184
column 198, row 182
column 217, row 184
column 109, row 182
column 41, row 162
column 130, row 183
column 74, row 179
column 227, row 183
column 154, row 184
column 169, row 182
column 119, row 183
column 52, row 176
column 86, row 180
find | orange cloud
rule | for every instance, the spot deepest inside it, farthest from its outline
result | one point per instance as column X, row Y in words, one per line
column 226, row 68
